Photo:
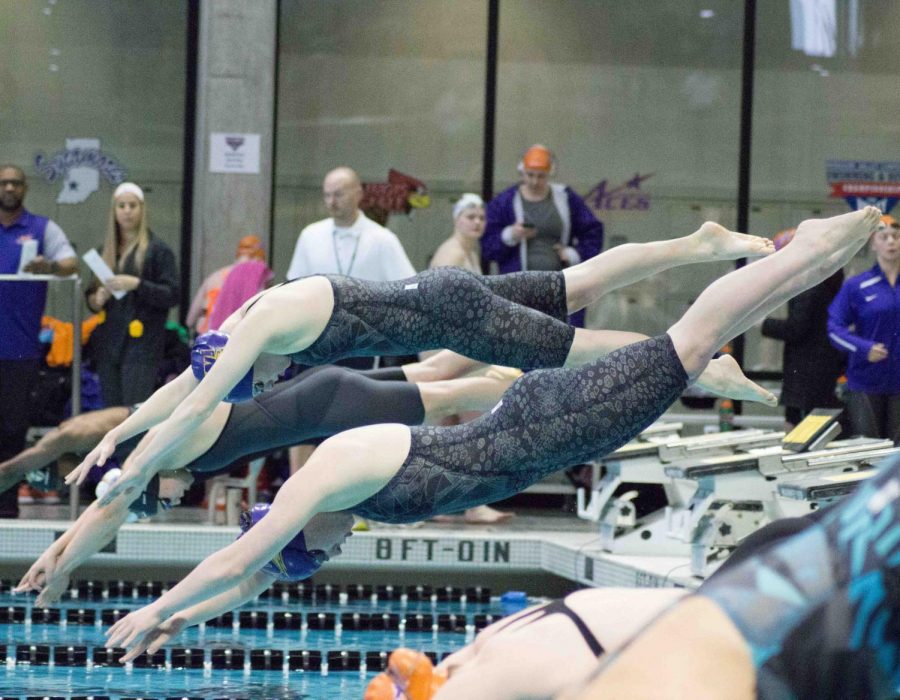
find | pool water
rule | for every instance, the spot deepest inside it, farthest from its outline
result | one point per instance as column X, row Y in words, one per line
column 300, row 641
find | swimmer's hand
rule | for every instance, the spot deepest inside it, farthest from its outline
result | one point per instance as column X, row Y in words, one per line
column 102, row 452
column 36, row 577
column 132, row 630
column 162, row 634
column 55, row 584
column 723, row 377
column 128, row 485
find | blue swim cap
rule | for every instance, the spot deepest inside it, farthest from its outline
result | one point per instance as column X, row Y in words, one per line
column 295, row 562
column 204, row 353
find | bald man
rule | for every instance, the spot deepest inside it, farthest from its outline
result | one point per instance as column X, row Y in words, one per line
column 348, row 243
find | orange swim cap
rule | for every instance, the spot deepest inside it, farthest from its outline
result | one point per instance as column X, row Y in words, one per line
column 251, row 246
column 888, row 221
column 538, row 158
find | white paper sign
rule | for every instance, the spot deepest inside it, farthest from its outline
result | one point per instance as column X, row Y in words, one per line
column 99, row 267
column 233, row 153
column 29, row 253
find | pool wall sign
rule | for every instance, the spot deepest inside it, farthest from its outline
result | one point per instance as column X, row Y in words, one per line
column 864, row 182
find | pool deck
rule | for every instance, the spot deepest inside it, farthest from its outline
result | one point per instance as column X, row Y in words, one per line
column 528, row 544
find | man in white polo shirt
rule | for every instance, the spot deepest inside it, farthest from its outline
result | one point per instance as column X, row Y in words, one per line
column 348, row 243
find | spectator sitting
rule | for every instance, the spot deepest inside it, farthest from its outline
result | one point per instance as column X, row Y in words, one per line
column 245, row 280
column 248, row 248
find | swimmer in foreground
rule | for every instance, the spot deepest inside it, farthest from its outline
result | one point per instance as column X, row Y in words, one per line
column 533, row 654
column 815, row 616
column 318, row 403
column 545, row 421
column 316, row 320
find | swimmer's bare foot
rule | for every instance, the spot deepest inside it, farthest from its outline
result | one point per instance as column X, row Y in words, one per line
column 714, row 242
column 850, row 229
column 723, row 377
column 485, row 515
column 479, row 515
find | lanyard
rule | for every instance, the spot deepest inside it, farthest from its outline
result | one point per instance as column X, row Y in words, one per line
column 337, row 258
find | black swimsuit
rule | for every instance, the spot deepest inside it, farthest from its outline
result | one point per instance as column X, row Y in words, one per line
column 561, row 608
column 317, row 403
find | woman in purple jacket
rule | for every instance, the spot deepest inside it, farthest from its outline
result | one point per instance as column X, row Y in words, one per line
column 538, row 224
column 864, row 322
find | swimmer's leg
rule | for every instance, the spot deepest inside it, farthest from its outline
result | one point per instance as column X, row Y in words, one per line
column 631, row 262
column 455, row 396
column 745, row 293
column 444, row 364
column 510, row 671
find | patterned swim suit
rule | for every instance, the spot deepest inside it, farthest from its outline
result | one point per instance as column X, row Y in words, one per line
column 547, row 420
column 516, row 320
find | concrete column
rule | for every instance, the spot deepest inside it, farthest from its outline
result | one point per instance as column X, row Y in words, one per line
column 235, row 86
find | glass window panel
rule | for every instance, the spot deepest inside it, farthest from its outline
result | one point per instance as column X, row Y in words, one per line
column 825, row 89
column 93, row 69
column 379, row 84
column 618, row 89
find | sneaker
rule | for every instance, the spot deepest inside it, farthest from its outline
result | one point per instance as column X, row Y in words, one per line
column 26, row 495
column 47, row 498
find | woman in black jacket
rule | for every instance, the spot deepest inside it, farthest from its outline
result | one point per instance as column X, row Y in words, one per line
column 128, row 344
column 810, row 364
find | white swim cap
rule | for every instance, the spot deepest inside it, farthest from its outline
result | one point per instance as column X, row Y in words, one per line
column 469, row 199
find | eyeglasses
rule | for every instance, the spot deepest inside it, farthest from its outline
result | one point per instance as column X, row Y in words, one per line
column 18, row 184
column 893, row 233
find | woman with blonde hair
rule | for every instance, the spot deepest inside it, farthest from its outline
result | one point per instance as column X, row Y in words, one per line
column 128, row 344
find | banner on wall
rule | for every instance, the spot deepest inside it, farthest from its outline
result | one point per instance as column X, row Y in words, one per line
column 626, row 197
column 234, row 153
column 864, row 182
column 80, row 167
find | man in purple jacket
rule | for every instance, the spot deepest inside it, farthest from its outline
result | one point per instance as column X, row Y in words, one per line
column 538, row 224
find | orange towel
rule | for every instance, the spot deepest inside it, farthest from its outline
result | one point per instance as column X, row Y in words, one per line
column 60, row 353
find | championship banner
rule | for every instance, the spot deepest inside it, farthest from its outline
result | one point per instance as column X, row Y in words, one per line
column 862, row 183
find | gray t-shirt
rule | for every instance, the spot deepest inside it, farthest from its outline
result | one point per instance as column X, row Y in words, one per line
column 549, row 225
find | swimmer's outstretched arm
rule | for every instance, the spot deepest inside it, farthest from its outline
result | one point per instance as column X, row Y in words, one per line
column 167, row 630
column 154, row 410
column 335, row 478
column 246, row 344
column 93, row 530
